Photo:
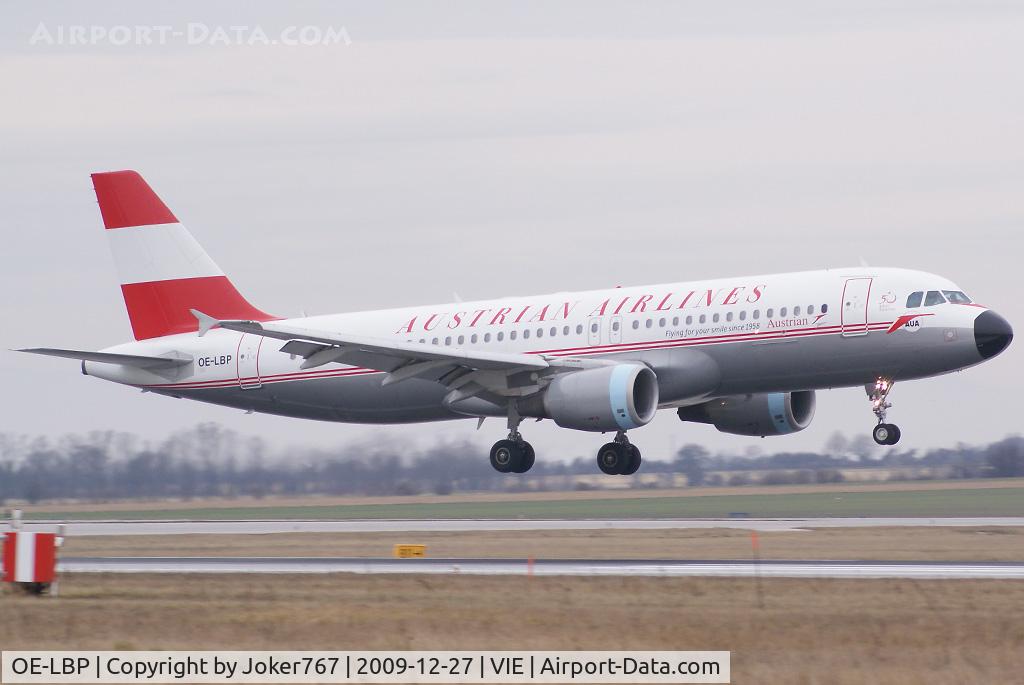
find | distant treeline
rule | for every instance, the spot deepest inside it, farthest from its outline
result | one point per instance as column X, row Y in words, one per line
column 209, row 461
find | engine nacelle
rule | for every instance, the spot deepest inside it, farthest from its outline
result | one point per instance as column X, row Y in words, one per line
column 776, row 413
column 609, row 398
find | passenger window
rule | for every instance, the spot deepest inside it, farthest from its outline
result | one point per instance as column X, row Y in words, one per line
column 824, row 309
column 649, row 323
column 579, row 329
column 462, row 339
column 434, row 341
column 743, row 315
column 501, row 335
column 715, row 318
column 933, row 297
column 675, row 320
column 448, row 340
column 526, row 334
column 757, row 313
column 473, row 339
column 661, row 323
column 636, row 325
column 512, row 335
column 615, row 325
column 770, row 313
column 540, row 332
column 423, row 340
column 487, row 337
column 565, row 331
column 728, row 316
column 553, row 332
column 703, row 318
column 914, row 300
column 782, row 312
column 593, row 327
column 810, row 310
column 689, row 320
column 796, row 311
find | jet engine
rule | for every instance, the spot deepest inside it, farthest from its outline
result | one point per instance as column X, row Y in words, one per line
column 776, row 413
column 608, row 398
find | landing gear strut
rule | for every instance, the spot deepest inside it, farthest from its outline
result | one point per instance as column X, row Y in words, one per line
column 513, row 454
column 619, row 457
column 884, row 433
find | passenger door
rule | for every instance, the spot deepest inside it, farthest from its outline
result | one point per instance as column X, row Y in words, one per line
column 854, row 315
column 248, row 364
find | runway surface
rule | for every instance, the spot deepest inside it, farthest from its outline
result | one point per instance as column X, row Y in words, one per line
column 181, row 527
column 549, row 567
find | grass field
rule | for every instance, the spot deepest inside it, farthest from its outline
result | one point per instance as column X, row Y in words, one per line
column 809, row 631
column 524, row 496
column 926, row 543
column 965, row 500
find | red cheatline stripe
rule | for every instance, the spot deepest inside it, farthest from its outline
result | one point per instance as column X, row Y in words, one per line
column 640, row 347
column 312, row 374
column 285, row 376
column 903, row 320
column 10, row 544
column 728, row 337
column 567, row 352
column 232, row 382
column 127, row 200
column 45, row 558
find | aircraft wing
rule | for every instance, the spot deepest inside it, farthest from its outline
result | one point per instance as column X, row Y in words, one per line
column 469, row 372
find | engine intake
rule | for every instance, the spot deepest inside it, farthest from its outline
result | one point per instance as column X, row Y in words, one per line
column 777, row 413
column 608, row 398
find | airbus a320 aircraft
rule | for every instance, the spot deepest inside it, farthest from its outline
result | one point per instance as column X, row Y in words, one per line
column 745, row 354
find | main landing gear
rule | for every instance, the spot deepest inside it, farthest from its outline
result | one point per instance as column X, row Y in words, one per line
column 619, row 457
column 512, row 455
column 884, row 433
column 515, row 455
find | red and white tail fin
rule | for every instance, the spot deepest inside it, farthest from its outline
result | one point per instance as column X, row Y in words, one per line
column 163, row 271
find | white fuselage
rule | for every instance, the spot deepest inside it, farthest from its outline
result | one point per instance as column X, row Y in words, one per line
column 704, row 339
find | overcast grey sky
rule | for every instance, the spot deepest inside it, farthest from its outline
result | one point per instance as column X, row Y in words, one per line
column 514, row 148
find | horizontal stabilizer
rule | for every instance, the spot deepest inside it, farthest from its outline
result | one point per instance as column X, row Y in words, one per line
column 136, row 360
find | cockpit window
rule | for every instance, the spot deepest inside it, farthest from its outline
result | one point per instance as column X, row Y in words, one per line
column 933, row 297
column 956, row 297
column 914, row 300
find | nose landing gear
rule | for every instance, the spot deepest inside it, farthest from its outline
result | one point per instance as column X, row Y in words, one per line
column 884, row 433
column 619, row 457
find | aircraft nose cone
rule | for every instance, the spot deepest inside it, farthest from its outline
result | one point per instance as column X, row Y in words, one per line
column 992, row 333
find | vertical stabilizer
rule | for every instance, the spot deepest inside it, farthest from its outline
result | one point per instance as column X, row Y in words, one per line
column 163, row 271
